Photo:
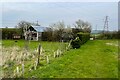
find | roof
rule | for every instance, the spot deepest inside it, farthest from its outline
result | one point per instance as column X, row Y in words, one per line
column 39, row 28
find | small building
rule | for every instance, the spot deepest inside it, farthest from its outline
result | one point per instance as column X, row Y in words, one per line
column 35, row 32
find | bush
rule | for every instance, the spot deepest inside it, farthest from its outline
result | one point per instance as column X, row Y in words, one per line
column 81, row 39
column 109, row 35
column 76, row 43
column 84, row 37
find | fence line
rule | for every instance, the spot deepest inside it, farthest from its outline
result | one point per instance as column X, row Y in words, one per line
column 37, row 56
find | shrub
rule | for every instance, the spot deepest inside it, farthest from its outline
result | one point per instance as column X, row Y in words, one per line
column 84, row 37
column 109, row 35
column 76, row 43
column 81, row 39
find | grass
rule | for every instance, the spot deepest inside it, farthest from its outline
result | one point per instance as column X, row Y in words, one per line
column 32, row 44
column 16, row 48
column 95, row 59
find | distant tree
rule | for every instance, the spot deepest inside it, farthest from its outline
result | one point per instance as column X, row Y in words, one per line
column 23, row 26
column 83, row 26
column 58, row 30
column 79, row 24
column 68, row 29
column 87, row 27
column 67, row 34
column 110, row 35
column 47, row 35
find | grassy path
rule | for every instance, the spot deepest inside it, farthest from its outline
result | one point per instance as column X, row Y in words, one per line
column 94, row 59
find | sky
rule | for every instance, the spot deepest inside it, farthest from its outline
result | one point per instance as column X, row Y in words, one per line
column 47, row 13
column 59, row 0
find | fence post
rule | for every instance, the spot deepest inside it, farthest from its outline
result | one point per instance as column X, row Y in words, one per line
column 47, row 60
column 23, row 69
column 54, row 54
column 39, row 47
column 35, row 65
column 68, row 47
column 58, row 53
column 17, row 69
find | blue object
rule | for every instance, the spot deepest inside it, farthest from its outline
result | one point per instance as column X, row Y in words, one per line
column 39, row 28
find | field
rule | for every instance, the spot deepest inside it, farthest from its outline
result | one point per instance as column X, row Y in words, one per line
column 94, row 59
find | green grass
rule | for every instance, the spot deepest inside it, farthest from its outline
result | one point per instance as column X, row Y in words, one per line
column 32, row 44
column 49, row 48
column 94, row 59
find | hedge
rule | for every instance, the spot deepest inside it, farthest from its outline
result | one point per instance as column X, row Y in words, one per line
column 7, row 33
column 76, row 43
column 84, row 37
column 81, row 39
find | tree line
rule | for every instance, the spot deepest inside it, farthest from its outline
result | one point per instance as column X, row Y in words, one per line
column 56, row 32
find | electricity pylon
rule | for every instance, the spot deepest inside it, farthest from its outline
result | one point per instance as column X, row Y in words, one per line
column 105, row 25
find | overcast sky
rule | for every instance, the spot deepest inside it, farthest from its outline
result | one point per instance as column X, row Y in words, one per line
column 48, row 13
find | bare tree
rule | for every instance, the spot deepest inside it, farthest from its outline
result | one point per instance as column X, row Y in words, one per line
column 87, row 27
column 58, row 29
column 67, row 35
column 79, row 24
column 83, row 26
column 23, row 25
column 68, row 29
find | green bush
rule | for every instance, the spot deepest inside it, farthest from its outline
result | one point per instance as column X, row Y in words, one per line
column 84, row 37
column 81, row 39
column 76, row 43
column 109, row 35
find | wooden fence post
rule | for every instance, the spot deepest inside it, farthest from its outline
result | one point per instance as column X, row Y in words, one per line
column 17, row 69
column 68, row 47
column 23, row 69
column 39, row 47
column 35, row 65
column 57, row 53
column 47, row 60
column 54, row 54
